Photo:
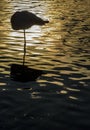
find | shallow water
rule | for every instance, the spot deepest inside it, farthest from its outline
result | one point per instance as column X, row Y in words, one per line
column 59, row 99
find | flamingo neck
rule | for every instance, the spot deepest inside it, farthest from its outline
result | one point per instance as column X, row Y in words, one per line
column 24, row 48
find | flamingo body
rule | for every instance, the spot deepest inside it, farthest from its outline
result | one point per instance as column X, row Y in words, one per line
column 25, row 19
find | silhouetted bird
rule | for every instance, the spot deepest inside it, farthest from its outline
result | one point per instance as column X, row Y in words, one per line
column 24, row 20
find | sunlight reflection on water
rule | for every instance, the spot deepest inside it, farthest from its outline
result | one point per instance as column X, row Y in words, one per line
column 60, row 48
column 51, row 47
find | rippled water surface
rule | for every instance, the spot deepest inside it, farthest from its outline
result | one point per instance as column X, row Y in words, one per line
column 59, row 99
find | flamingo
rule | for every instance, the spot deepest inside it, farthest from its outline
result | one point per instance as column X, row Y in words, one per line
column 24, row 20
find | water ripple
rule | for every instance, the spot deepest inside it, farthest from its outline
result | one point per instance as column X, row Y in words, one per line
column 59, row 98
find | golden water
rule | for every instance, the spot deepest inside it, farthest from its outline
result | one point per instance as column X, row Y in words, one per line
column 62, row 49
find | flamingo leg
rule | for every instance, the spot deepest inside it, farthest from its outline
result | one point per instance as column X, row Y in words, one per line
column 24, row 48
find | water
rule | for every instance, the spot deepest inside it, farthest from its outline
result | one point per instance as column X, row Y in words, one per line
column 59, row 99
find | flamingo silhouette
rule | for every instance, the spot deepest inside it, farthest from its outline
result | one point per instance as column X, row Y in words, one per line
column 24, row 20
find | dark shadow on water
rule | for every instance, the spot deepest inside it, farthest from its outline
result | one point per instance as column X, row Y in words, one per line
column 22, row 73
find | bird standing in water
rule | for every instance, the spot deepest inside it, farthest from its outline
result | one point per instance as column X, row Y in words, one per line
column 24, row 20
